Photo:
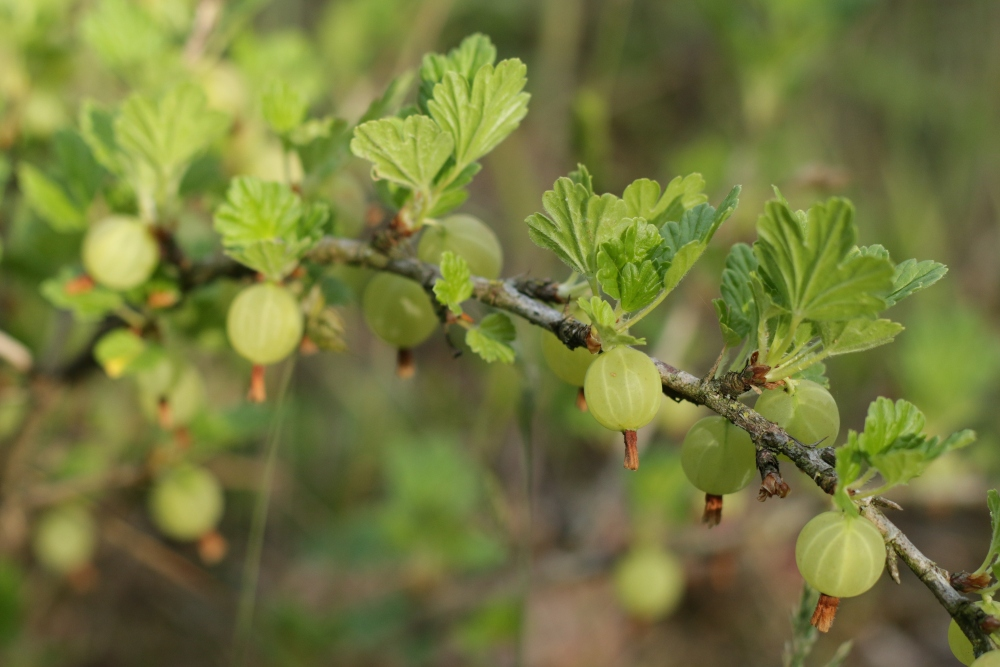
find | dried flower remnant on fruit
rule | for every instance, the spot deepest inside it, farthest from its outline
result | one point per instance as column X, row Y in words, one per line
column 631, row 450
column 258, row 388
column 581, row 400
column 712, row 515
column 826, row 611
column 406, row 366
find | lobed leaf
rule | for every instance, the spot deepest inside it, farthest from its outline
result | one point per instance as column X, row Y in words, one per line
column 480, row 114
column 809, row 270
column 576, row 223
column 49, row 201
column 602, row 318
column 455, row 284
column 857, row 335
column 912, row 276
column 490, row 339
column 408, row 152
column 283, row 107
column 466, row 59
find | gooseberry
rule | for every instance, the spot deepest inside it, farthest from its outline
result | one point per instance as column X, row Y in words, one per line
column 623, row 391
column 649, row 583
column 467, row 237
column 120, row 253
column 65, row 539
column 186, row 502
column 398, row 310
column 718, row 457
column 808, row 412
column 264, row 323
column 991, row 659
column 839, row 554
column 959, row 644
column 171, row 391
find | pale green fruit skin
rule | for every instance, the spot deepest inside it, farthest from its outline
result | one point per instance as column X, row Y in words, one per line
column 623, row 389
column 398, row 311
column 840, row 555
column 186, row 503
column 65, row 539
column 808, row 415
column 570, row 366
column 467, row 237
column 120, row 253
column 718, row 457
column 991, row 659
column 649, row 583
column 179, row 383
column 264, row 323
column 959, row 644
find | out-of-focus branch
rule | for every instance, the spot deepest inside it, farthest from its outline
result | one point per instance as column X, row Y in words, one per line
column 678, row 384
column 206, row 16
column 15, row 353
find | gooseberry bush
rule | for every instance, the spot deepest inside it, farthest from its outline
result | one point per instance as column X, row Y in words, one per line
column 801, row 294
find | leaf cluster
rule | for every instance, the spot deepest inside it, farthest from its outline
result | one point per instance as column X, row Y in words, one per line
column 466, row 106
column 635, row 248
column 893, row 445
column 266, row 226
column 805, row 291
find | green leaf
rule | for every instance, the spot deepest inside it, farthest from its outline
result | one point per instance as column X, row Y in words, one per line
column 857, row 335
column 814, row 373
column 409, row 152
column 682, row 262
column 993, row 502
column 698, row 223
column 49, row 201
column 893, row 441
column 625, row 268
column 490, row 339
column 808, row 268
column 912, row 276
column 159, row 138
column 602, row 318
column 97, row 128
column 123, row 34
column 582, row 176
column 265, row 226
column 123, row 352
column 848, row 471
column 284, row 108
column 466, row 59
column 89, row 305
column 738, row 310
column 80, row 173
column 645, row 199
column 480, row 115
column 455, row 284
column 576, row 223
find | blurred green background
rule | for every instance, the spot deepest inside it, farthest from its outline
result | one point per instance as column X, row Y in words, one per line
column 472, row 516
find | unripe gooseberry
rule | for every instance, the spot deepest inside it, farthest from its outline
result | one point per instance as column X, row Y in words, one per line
column 718, row 457
column 623, row 391
column 186, row 502
column 649, row 583
column 398, row 310
column 808, row 413
column 120, row 253
column 570, row 366
column 959, row 644
column 65, row 539
column 991, row 659
column 176, row 384
column 840, row 555
column 264, row 323
column 467, row 237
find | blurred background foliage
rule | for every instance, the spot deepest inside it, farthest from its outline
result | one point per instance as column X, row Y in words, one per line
column 472, row 516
